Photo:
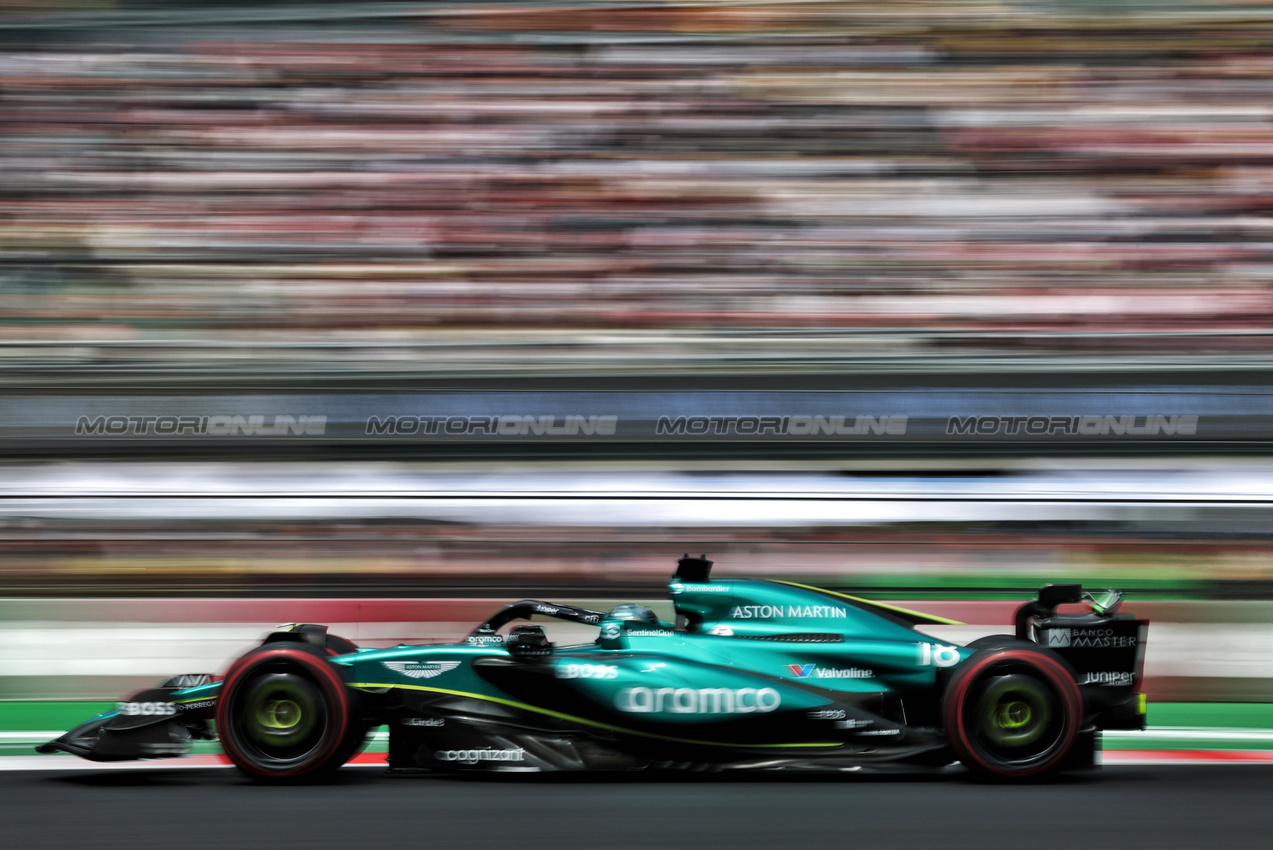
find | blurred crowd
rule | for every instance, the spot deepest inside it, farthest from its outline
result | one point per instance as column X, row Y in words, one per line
column 948, row 164
column 361, row 557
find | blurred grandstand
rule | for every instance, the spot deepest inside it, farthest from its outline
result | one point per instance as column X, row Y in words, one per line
column 1052, row 174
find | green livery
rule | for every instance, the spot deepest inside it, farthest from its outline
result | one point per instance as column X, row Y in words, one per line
column 753, row 674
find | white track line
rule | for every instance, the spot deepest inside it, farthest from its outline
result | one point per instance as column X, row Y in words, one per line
column 1112, row 758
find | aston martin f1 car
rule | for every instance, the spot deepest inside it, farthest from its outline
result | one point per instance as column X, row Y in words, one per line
column 753, row 674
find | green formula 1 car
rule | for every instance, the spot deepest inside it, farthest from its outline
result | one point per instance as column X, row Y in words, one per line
column 754, row 674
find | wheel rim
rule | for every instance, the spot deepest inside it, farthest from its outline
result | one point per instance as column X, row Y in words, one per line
column 281, row 718
column 1017, row 718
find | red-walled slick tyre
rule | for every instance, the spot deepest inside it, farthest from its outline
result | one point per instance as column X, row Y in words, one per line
column 284, row 715
column 1012, row 712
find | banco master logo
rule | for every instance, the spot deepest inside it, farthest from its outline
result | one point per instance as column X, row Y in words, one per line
column 1092, row 638
column 421, row 669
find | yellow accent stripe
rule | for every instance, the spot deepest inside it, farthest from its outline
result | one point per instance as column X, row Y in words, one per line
column 932, row 618
column 197, row 699
column 570, row 717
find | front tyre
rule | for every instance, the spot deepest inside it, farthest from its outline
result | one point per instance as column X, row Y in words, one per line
column 1012, row 712
column 284, row 715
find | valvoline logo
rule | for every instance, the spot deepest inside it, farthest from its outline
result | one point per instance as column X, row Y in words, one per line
column 801, row 671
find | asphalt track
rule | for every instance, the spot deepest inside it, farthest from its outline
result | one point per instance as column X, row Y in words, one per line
column 1123, row 807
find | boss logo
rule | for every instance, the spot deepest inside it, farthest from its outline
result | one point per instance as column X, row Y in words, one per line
column 135, row 709
column 587, row 671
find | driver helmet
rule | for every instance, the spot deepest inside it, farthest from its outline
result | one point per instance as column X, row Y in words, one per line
column 634, row 612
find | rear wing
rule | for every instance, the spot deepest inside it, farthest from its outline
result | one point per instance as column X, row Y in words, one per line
column 1053, row 595
column 1105, row 648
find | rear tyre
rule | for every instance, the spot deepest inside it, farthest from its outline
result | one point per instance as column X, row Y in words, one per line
column 1012, row 712
column 284, row 715
column 997, row 641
